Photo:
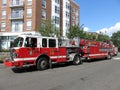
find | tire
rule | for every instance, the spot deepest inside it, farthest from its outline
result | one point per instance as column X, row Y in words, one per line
column 42, row 64
column 109, row 56
column 77, row 60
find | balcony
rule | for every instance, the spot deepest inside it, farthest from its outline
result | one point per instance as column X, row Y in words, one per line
column 16, row 17
column 17, row 4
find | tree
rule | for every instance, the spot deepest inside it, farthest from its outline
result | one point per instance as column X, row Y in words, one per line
column 47, row 28
column 91, row 36
column 116, row 39
column 102, row 37
column 75, row 31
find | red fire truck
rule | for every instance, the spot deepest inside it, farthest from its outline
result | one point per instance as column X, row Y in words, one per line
column 95, row 49
column 44, row 51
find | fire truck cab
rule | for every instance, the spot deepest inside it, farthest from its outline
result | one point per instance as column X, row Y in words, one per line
column 42, row 51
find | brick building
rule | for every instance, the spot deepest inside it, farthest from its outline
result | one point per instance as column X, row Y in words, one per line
column 18, row 16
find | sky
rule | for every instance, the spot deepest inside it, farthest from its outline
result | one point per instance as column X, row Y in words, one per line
column 100, row 15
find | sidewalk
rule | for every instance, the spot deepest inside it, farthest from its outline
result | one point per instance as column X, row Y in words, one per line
column 2, row 66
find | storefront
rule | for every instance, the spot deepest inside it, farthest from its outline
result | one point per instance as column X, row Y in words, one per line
column 5, row 42
column 7, row 38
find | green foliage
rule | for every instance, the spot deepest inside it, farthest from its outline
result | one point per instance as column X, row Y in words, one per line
column 90, row 36
column 102, row 37
column 75, row 31
column 1, row 59
column 116, row 39
column 4, row 50
column 47, row 28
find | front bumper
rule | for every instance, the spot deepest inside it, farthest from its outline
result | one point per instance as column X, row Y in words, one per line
column 8, row 62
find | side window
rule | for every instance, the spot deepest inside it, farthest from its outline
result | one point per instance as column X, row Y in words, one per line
column 31, row 42
column 44, row 42
column 52, row 43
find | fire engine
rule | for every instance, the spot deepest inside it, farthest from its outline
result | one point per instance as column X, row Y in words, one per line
column 95, row 49
column 44, row 51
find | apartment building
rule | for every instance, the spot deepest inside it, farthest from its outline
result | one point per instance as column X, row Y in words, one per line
column 18, row 16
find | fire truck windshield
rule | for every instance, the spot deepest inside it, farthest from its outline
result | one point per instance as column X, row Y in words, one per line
column 18, row 42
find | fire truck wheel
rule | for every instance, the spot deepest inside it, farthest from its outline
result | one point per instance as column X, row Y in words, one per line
column 109, row 56
column 42, row 64
column 77, row 60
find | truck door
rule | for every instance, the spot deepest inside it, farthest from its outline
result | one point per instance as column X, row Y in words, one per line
column 54, row 51
column 30, row 50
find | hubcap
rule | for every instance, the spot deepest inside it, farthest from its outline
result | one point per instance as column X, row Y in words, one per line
column 77, row 60
column 43, row 64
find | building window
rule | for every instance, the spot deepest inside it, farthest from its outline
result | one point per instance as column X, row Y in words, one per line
column 17, row 26
column 17, row 13
column 67, row 24
column 57, row 20
column 43, row 25
column 73, row 17
column 4, row 2
column 73, row 9
column 57, row 1
column 67, row 5
column 29, row 12
column 29, row 25
column 67, row 14
column 3, row 14
column 43, row 14
column 44, row 3
column 29, row 2
column 3, row 26
column 57, row 9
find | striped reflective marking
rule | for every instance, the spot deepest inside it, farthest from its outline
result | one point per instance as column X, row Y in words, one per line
column 26, row 59
column 54, row 57
column 34, row 58
column 97, row 54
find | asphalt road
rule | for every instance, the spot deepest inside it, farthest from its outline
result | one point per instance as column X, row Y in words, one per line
column 97, row 75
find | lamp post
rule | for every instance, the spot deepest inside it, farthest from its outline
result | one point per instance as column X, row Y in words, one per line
column 81, row 27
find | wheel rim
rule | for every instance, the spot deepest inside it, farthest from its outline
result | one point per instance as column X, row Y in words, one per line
column 109, row 56
column 77, row 60
column 43, row 64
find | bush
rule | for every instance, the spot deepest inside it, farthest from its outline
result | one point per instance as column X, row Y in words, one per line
column 4, row 50
column 1, row 59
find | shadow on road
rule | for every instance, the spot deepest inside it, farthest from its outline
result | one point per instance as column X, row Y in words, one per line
column 54, row 66
column 33, row 68
column 24, row 69
column 94, row 60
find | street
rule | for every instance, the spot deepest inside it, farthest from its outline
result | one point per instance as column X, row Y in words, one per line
column 92, row 75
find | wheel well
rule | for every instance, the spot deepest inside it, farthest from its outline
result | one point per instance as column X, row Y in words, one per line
column 45, row 56
column 78, row 54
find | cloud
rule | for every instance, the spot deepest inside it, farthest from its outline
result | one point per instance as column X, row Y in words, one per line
column 86, row 29
column 109, row 31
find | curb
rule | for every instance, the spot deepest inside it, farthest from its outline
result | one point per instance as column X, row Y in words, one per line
column 1, row 63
